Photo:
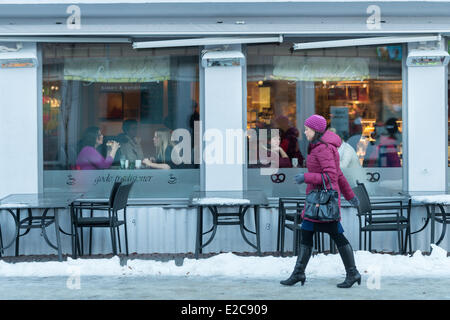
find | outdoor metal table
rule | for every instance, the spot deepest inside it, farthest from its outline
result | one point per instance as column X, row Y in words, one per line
column 213, row 200
column 431, row 200
column 33, row 201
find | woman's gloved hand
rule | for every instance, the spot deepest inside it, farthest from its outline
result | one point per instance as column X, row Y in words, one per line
column 299, row 178
column 354, row 201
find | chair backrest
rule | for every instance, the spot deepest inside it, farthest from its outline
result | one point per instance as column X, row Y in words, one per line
column 363, row 197
column 113, row 192
column 291, row 204
column 121, row 198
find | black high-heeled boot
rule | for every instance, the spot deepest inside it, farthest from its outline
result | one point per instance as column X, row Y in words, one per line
column 299, row 270
column 353, row 275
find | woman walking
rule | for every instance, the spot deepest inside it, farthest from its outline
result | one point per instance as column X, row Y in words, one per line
column 323, row 158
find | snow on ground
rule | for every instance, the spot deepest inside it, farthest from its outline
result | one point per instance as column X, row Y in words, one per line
column 230, row 265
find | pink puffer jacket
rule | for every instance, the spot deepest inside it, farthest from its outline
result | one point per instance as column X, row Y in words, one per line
column 324, row 158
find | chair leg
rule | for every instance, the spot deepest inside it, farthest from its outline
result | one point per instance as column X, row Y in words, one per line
column 323, row 242
column 400, row 246
column 410, row 244
column 118, row 239
column 365, row 240
column 18, row 238
column 126, row 233
column 113, row 240
column 90, row 241
column 403, row 245
column 294, row 240
column 370, row 241
column 77, row 240
column 279, row 229
column 282, row 235
column 360, row 235
column 82, row 234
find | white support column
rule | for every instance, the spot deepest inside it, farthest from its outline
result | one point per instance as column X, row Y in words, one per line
column 223, row 96
column 427, row 126
column 19, row 160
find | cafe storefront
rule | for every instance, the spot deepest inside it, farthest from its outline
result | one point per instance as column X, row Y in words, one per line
column 380, row 95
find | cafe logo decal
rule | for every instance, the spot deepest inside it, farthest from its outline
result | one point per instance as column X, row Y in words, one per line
column 172, row 179
column 70, row 180
column 278, row 177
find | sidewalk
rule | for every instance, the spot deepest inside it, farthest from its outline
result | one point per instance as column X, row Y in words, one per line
column 224, row 276
column 216, row 288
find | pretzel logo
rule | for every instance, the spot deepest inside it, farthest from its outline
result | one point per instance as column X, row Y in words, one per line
column 374, row 176
column 278, row 178
column 70, row 180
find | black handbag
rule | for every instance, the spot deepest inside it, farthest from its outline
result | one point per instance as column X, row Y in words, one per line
column 322, row 204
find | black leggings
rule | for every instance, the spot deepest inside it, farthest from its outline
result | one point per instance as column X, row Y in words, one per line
column 330, row 228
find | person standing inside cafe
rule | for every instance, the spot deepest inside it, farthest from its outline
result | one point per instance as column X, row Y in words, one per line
column 323, row 157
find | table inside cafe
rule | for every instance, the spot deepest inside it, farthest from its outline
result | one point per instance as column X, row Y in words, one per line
column 215, row 202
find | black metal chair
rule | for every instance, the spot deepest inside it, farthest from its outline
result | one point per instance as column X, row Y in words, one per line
column 289, row 210
column 97, row 205
column 118, row 201
column 391, row 219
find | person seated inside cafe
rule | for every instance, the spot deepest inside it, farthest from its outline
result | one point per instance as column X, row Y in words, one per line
column 289, row 139
column 89, row 158
column 164, row 147
column 130, row 143
column 275, row 151
column 383, row 152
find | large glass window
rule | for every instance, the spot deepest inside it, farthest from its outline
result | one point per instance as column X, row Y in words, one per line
column 357, row 89
column 108, row 114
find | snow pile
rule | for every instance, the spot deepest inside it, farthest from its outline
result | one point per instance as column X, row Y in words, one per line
column 92, row 267
column 230, row 265
column 220, row 201
column 14, row 205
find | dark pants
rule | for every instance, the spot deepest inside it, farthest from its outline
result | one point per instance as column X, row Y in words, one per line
column 331, row 228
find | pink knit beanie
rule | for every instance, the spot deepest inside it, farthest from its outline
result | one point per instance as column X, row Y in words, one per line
column 317, row 123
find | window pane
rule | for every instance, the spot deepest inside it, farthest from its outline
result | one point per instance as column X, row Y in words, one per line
column 110, row 107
